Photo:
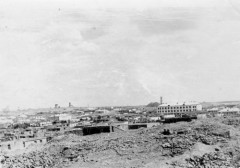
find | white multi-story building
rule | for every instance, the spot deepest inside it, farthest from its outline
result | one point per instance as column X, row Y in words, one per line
column 179, row 108
column 64, row 117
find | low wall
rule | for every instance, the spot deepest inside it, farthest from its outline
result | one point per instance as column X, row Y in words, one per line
column 20, row 144
column 137, row 126
column 174, row 120
column 96, row 130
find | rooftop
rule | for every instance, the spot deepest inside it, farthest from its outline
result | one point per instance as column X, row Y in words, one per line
column 230, row 110
column 179, row 104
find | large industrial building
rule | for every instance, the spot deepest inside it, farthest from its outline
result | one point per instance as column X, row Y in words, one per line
column 179, row 108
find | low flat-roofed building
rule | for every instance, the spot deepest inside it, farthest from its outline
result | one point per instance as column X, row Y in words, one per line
column 45, row 123
column 154, row 118
column 179, row 108
column 64, row 117
column 101, row 111
column 213, row 110
column 229, row 111
column 21, row 144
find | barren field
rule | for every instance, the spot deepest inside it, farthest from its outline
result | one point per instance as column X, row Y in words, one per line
column 202, row 143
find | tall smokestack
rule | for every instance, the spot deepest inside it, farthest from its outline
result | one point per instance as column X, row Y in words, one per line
column 161, row 100
column 56, row 106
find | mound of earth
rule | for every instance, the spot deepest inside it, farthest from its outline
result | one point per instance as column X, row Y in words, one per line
column 201, row 143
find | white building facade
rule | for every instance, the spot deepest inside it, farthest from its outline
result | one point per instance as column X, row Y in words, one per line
column 64, row 117
column 45, row 123
column 179, row 108
column 229, row 111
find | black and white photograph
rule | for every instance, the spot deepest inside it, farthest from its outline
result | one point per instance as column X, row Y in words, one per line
column 119, row 83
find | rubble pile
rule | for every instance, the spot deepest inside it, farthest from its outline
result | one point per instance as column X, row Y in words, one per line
column 232, row 121
column 208, row 160
column 163, row 141
column 33, row 159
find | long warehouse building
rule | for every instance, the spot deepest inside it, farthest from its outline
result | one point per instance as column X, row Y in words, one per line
column 179, row 108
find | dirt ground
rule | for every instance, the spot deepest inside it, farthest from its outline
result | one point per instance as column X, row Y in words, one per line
column 202, row 143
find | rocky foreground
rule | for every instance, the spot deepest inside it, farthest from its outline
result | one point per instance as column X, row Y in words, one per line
column 198, row 144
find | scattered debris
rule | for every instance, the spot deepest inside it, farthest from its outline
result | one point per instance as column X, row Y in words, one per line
column 136, row 148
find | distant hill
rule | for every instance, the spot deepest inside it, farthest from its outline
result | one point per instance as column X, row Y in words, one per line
column 220, row 103
column 153, row 104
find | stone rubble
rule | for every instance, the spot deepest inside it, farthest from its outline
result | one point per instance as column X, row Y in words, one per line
column 129, row 145
column 209, row 160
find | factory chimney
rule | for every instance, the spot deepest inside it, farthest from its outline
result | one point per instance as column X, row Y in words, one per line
column 161, row 100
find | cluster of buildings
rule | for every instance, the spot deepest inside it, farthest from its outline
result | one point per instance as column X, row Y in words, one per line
column 223, row 110
column 22, row 130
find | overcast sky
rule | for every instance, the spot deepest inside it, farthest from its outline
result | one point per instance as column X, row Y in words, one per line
column 111, row 52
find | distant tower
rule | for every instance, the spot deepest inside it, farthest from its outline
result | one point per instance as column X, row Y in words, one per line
column 161, row 100
column 69, row 104
column 56, row 105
